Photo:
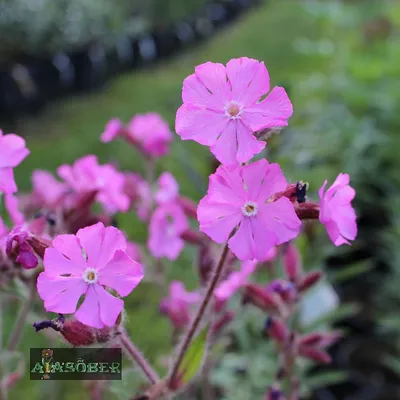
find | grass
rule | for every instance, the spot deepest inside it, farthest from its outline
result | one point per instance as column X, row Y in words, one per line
column 70, row 129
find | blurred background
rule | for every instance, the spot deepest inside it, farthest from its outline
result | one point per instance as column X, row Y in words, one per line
column 68, row 66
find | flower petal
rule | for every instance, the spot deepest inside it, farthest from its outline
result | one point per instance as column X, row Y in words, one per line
column 7, row 181
column 249, row 79
column 110, row 306
column 69, row 246
column 225, row 148
column 89, row 312
column 247, row 144
column 213, row 77
column 196, row 94
column 280, row 219
column 200, row 124
column 12, row 150
column 273, row 182
column 56, row 264
column 273, row 111
column 218, row 220
column 121, row 274
column 242, row 243
column 60, row 295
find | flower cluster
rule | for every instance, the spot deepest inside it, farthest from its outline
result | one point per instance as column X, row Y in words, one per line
column 83, row 265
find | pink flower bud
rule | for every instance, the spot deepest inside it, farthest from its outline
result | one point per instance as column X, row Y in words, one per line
column 309, row 280
column 193, row 237
column 292, row 263
column 276, row 329
column 23, row 246
column 79, row 334
column 307, row 210
column 269, row 302
column 315, row 354
column 189, row 207
column 223, row 321
column 312, row 339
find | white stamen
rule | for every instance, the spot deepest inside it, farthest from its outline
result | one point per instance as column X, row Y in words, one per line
column 90, row 275
column 233, row 110
column 250, row 209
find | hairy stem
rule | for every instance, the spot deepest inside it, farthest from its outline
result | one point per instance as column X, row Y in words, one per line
column 16, row 333
column 137, row 356
column 200, row 313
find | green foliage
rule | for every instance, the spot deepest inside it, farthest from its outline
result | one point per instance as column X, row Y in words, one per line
column 194, row 357
column 345, row 95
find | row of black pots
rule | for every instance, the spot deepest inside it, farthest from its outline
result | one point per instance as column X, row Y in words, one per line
column 27, row 85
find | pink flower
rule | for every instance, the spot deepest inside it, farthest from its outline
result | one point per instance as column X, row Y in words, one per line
column 222, row 108
column 235, row 281
column 336, row 212
column 24, row 243
column 151, row 132
column 139, row 193
column 12, row 153
column 3, row 239
column 133, row 251
column 11, row 203
column 167, row 224
column 168, row 188
column 86, row 175
column 87, row 264
column 113, row 129
column 177, row 305
column 243, row 197
column 47, row 190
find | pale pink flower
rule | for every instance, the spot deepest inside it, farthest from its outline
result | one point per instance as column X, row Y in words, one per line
column 11, row 203
column 177, row 305
column 3, row 239
column 139, row 193
column 47, row 190
column 133, row 251
column 19, row 242
column 336, row 212
column 87, row 264
column 222, row 108
column 113, row 129
column 151, row 133
column 86, row 175
column 243, row 197
column 12, row 153
column 167, row 224
column 168, row 188
column 235, row 281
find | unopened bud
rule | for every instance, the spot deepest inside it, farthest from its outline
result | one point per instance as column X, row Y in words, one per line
column 79, row 334
column 276, row 329
column 193, row 237
column 309, row 280
column 189, row 207
column 312, row 339
column 307, row 210
column 292, row 263
column 315, row 354
column 269, row 302
column 205, row 263
column 223, row 321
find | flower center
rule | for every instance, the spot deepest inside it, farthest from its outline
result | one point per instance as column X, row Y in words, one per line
column 233, row 110
column 249, row 209
column 90, row 275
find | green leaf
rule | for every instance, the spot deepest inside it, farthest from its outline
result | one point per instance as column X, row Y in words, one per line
column 326, row 378
column 351, row 272
column 193, row 358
